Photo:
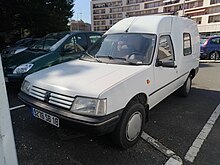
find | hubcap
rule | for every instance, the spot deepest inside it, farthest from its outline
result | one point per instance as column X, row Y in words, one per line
column 134, row 126
column 214, row 56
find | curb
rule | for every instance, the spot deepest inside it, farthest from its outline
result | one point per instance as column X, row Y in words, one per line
column 173, row 158
column 209, row 61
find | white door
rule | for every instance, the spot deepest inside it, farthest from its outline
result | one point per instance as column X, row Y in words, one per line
column 165, row 70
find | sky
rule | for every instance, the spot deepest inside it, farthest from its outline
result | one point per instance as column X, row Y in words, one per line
column 82, row 10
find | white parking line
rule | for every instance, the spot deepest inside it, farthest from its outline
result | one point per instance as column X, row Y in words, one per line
column 17, row 107
column 173, row 158
column 197, row 144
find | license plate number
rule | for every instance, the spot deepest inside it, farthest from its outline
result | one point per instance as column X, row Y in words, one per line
column 45, row 117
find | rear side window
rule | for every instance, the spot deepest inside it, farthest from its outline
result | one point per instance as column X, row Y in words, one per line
column 187, row 46
column 94, row 37
column 215, row 41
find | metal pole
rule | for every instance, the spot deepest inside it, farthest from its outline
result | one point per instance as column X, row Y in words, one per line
column 7, row 145
column 183, row 8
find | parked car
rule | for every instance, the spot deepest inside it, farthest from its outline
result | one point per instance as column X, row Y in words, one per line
column 18, row 47
column 53, row 49
column 210, row 48
column 112, row 87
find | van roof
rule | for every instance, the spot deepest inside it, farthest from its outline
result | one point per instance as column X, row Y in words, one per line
column 153, row 24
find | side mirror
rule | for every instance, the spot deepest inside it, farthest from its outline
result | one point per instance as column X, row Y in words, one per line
column 67, row 50
column 168, row 64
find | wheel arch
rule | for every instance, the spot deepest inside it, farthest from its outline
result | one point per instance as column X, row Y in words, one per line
column 143, row 99
column 192, row 73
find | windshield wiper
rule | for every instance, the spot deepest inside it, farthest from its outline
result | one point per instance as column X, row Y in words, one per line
column 109, row 57
column 129, row 61
column 87, row 54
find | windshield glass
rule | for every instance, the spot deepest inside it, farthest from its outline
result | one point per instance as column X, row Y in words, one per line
column 47, row 42
column 132, row 48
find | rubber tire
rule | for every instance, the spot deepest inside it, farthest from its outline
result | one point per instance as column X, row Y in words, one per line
column 119, row 134
column 217, row 54
column 183, row 91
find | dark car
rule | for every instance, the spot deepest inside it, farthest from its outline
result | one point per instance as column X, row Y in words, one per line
column 18, row 47
column 210, row 48
column 52, row 49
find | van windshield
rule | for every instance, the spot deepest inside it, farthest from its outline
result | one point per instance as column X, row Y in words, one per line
column 123, row 48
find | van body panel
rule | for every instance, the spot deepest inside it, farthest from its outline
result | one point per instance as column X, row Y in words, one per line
column 90, row 79
column 142, row 24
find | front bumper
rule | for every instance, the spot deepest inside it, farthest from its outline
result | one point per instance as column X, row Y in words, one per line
column 87, row 124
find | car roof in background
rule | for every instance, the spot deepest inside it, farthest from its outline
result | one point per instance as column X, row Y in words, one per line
column 71, row 32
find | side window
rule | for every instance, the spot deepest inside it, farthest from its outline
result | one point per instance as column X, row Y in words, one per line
column 82, row 41
column 215, row 41
column 93, row 38
column 165, row 50
column 75, row 44
column 187, row 46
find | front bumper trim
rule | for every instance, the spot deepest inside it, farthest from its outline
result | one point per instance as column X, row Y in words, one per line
column 93, row 124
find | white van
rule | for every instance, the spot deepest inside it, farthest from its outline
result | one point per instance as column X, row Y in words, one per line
column 111, row 88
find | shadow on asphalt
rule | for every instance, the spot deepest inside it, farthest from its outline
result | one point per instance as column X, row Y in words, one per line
column 203, row 65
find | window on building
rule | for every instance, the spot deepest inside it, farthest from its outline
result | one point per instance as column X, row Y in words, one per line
column 187, row 46
column 213, row 19
column 214, row 2
column 198, row 20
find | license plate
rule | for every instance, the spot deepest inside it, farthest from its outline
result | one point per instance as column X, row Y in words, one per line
column 6, row 79
column 45, row 117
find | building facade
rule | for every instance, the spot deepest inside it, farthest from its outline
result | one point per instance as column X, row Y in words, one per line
column 79, row 26
column 206, row 13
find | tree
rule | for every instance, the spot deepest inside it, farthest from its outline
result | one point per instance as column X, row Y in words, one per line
column 39, row 17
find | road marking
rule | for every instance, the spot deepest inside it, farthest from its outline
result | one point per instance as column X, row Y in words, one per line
column 173, row 158
column 17, row 107
column 209, row 61
column 173, row 161
column 197, row 144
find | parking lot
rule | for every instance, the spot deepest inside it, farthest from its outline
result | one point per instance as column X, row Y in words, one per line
column 175, row 123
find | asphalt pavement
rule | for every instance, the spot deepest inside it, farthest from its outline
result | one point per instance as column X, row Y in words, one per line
column 175, row 123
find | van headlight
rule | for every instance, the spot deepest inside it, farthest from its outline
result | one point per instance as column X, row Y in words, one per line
column 23, row 68
column 26, row 86
column 89, row 106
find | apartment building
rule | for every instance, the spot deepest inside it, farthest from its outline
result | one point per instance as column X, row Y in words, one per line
column 206, row 13
column 79, row 26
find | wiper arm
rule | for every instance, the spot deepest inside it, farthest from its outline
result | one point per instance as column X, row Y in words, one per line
column 129, row 61
column 86, row 53
column 109, row 57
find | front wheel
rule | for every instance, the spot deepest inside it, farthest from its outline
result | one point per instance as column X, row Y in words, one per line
column 214, row 56
column 130, row 127
column 186, row 88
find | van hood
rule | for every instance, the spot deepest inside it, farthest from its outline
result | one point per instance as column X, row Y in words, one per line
column 82, row 78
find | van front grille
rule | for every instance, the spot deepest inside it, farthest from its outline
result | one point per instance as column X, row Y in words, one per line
column 52, row 97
